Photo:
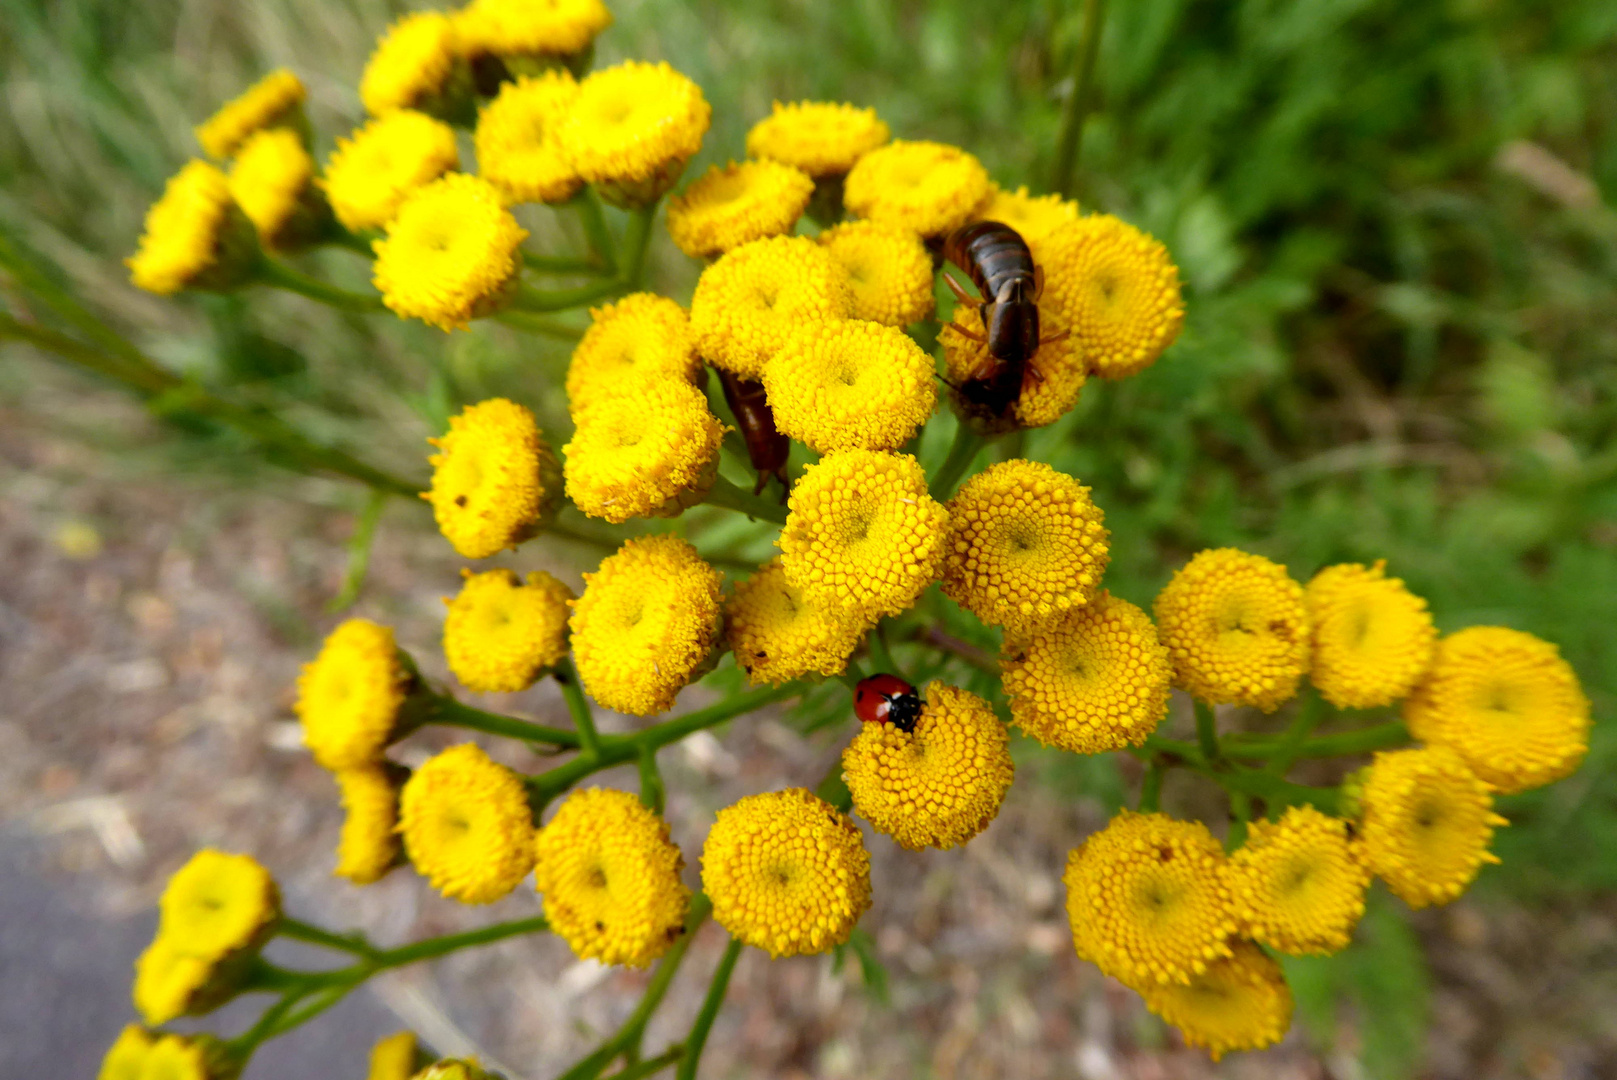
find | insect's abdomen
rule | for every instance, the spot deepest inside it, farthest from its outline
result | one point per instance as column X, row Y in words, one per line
column 993, row 253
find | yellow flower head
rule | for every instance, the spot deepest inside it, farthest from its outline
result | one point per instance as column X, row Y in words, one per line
column 889, row 271
column 218, row 904
column 850, row 385
column 394, row 1057
column 1373, row 638
column 1236, row 627
column 1034, row 217
column 778, row 635
column 451, row 253
column 270, row 181
column 518, row 149
column 169, row 984
column 1507, row 703
column 939, row 785
column 466, row 825
column 651, row 451
column 494, row 480
column 126, row 1057
column 370, row 174
column 609, row 875
column 1299, row 883
column 925, row 187
column 178, row 1057
column 786, row 873
column 412, row 63
column 648, row 620
column 1116, row 289
column 273, row 101
column 501, row 633
column 753, row 298
column 1091, row 680
column 1428, row 820
column 641, row 336
column 349, row 696
column 819, row 137
column 1149, row 900
column 454, row 1069
column 369, row 844
column 1026, row 545
column 1045, row 397
column 728, row 207
column 196, row 236
column 530, row 27
column 1239, row 1003
column 863, row 534
column 633, row 128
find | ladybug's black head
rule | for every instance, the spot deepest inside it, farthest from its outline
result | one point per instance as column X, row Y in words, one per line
column 904, row 711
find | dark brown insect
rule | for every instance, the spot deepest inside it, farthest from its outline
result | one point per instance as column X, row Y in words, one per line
column 1002, row 268
column 766, row 446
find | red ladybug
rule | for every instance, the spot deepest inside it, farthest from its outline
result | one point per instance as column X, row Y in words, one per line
column 883, row 698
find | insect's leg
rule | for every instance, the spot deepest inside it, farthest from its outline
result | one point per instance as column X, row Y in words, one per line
column 1057, row 337
column 959, row 290
column 763, row 481
column 963, row 332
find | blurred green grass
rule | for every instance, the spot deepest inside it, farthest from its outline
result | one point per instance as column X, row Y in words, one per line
column 1394, row 221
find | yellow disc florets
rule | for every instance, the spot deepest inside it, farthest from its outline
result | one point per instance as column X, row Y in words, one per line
column 218, row 904
column 269, row 181
column 863, row 534
column 493, row 480
column 1236, row 627
column 272, row 101
column 349, row 696
column 1026, row 545
column 648, row 620
column 1092, row 680
column 1034, row 217
column 186, row 232
column 642, row 336
column 1299, row 883
column 518, row 148
column 730, row 206
column 889, row 271
column 451, row 254
column 394, row 1057
column 1239, row 1003
column 1116, row 289
column 779, row 635
column 925, row 187
column 183, row 1057
column 748, row 302
column 1428, row 820
column 530, row 27
column 939, row 785
column 169, row 984
column 1047, row 393
column 650, row 451
column 609, row 875
column 850, row 385
column 501, row 633
column 126, row 1057
column 1149, row 900
column 786, row 873
column 1507, row 703
column 370, row 174
column 412, row 63
column 1373, row 638
column 821, row 138
column 633, row 128
column 467, row 826
column 369, row 844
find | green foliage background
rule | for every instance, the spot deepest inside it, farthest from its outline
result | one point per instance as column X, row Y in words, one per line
column 1397, row 347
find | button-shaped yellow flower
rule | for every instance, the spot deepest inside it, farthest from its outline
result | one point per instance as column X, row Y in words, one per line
column 193, row 1057
column 1149, row 899
column 850, row 385
column 647, row 623
column 519, row 150
column 466, row 824
column 822, row 138
column 1237, row 629
column 530, row 28
column 1033, row 217
column 217, row 904
column 274, row 101
column 609, row 875
column 1092, row 680
column 169, row 984
column 368, row 846
column 863, row 533
column 503, row 632
column 633, row 128
column 1507, row 703
column 272, row 182
column 889, row 271
column 1373, row 638
column 412, row 65
column 642, row 336
column 494, row 480
column 196, row 237
column 755, row 296
column 939, row 785
column 1116, row 289
column 650, row 450
column 1428, row 820
column 126, row 1057
column 1239, row 1003
column 349, row 696
column 778, row 634
column 786, row 873
column 395, row 1057
column 729, row 206
column 1299, row 883
column 370, row 174
column 926, row 187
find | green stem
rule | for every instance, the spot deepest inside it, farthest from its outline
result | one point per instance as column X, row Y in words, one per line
column 1240, row 814
column 880, row 654
column 539, row 300
column 298, row 930
column 1309, row 713
column 590, row 216
column 341, row 237
column 1080, row 101
column 359, row 551
column 282, row 276
column 965, row 447
column 577, row 704
column 651, row 1066
column 563, row 264
column 1341, row 744
column 636, row 239
column 725, row 494
column 448, row 943
column 651, row 782
column 451, row 713
column 710, row 1010
column 1206, row 731
column 981, row 659
column 242, row 1046
column 1151, row 788
column 538, row 324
